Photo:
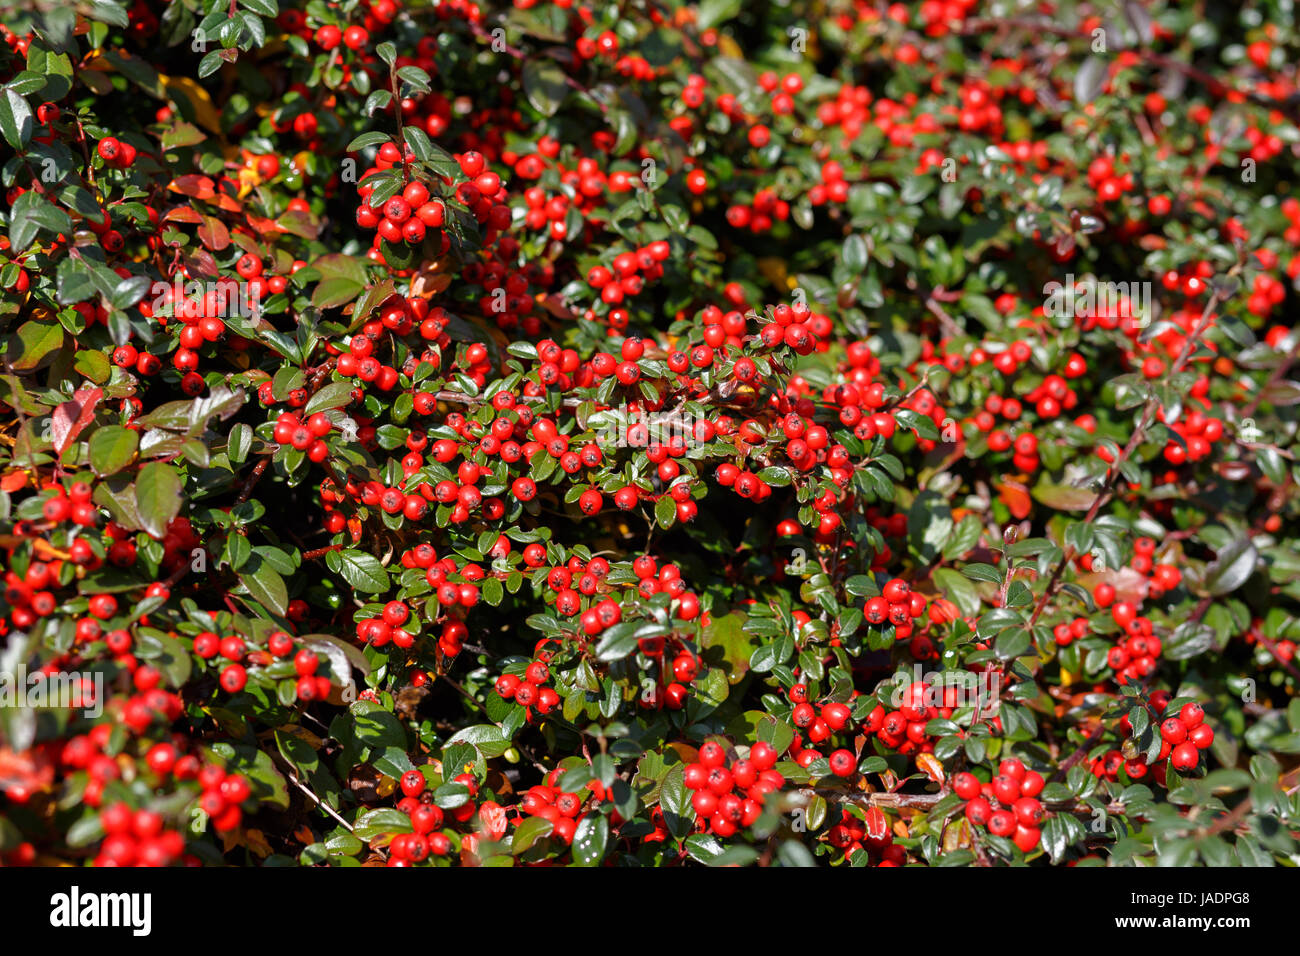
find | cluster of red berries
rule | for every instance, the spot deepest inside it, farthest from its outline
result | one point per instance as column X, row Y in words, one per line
column 924, row 403
column 584, row 177
column 628, row 273
column 850, row 110
column 1054, row 395
column 1266, row 291
column 306, row 436
column 1067, row 632
column 1109, row 184
column 684, row 668
column 820, row 723
column 1161, row 578
column 903, row 730
column 127, row 356
column 897, row 604
column 136, row 838
column 72, row 504
column 729, row 798
column 116, row 152
column 27, row 595
column 223, row 797
column 329, row 36
column 563, row 809
column 1135, row 654
column 1182, row 738
column 667, row 579
column 1198, row 432
column 233, row 648
column 1282, row 651
column 833, row 188
column 1185, row 736
column 532, row 691
column 603, row 44
column 398, row 315
column 765, row 209
column 388, row 626
column 138, row 712
column 1007, row 806
column 575, row 580
column 427, row 819
column 869, row 833
column 508, row 295
column 405, row 217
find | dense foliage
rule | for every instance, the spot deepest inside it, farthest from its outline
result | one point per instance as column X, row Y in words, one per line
column 649, row 433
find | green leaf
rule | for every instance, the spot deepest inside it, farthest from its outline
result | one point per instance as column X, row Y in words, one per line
column 1054, row 837
column 371, row 138
column 665, row 511
column 376, row 823
column 958, row 589
column 1231, row 567
column 1063, row 497
column 266, row 782
column 544, row 85
column 854, row 254
column 363, row 572
column 239, row 443
column 74, row 282
column 377, row 728
column 332, row 293
column 31, row 213
column 33, row 341
column 590, row 839
column 703, row 847
column 714, row 12
column 983, row 572
column 158, row 496
column 1189, row 639
column 333, row 395
column 15, row 119
column 306, row 760
column 529, row 832
column 265, row 585
column 111, row 448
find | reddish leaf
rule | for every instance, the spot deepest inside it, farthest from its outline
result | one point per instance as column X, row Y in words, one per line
column 267, row 227
column 214, row 234
column 71, row 417
column 1016, row 497
column 13, row 481
column 191, row 184
column 186, row 214
column 228, row 203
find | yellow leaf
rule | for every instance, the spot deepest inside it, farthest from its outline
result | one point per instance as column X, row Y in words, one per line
column 205, row 114
column 773, row 269
column 931, row 766
column 257, row 842
column 729, row 47
column 248, row 178
column 301, row 733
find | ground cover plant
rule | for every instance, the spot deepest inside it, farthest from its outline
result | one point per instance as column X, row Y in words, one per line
column 649, row 433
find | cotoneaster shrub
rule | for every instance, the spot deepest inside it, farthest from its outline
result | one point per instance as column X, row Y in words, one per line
column 649, row 435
